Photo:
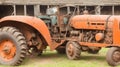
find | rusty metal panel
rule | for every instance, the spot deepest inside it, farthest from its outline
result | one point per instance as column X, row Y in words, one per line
column 97, row 22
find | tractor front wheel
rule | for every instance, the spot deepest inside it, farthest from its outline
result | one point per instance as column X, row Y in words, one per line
column 12, row 46
column 73, row 50
column 113, row 56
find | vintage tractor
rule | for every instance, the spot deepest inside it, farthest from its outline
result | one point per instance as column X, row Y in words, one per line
column 20, row 35
column 91, row 33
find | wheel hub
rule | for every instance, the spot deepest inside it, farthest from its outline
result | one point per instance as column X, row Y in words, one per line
column 7, row 50
column 116, row 56
column 70, row 50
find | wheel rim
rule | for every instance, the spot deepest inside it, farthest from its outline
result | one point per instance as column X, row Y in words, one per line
column 116, row 56
column 70, row 50
column 7, row 50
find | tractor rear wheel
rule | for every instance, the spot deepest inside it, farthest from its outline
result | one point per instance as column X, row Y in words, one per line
column 13, row 46
column 73, row 50
column 113, row 56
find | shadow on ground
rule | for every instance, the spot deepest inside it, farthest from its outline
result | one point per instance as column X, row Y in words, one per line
column 51, row 57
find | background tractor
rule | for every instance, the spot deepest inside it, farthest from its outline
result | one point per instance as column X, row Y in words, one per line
column 68, row 33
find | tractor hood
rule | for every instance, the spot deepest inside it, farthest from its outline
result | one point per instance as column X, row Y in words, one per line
column 98, row 22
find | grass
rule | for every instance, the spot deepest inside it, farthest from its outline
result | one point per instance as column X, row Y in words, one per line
column 52, row 59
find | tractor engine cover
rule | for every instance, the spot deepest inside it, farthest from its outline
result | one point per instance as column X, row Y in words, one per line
column 93, row 22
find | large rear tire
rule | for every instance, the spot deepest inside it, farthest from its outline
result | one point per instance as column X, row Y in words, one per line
column 113, row 56
column 13, row 46
column 73, row 50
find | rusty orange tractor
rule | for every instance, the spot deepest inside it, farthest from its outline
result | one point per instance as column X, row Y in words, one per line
column 64, row 33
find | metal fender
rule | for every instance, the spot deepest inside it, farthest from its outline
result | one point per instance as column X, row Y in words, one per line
column 36, row 23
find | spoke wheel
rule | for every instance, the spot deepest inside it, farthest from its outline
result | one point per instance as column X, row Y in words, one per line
column 13, row 46
column 73, row 50
column 7, row 50
column 70, row 50
column 113, row 56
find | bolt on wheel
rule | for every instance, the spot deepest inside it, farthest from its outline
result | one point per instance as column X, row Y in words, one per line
column 7, row 50
column 13, row 46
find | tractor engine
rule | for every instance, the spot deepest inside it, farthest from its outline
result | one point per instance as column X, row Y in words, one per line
column 92, row 28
